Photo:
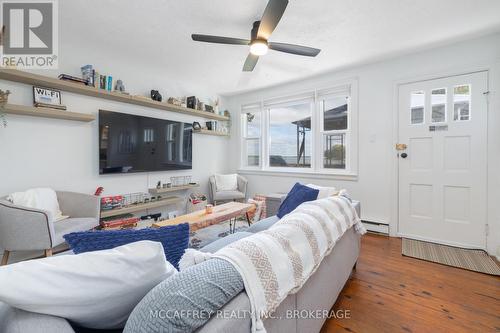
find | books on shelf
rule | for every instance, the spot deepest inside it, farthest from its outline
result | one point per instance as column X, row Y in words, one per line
column 74, row 79
column 119, row 223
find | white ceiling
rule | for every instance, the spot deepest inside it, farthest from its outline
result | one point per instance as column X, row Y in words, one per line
column 155, row 34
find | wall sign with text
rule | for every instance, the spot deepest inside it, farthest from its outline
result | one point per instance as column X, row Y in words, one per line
column 46, row 96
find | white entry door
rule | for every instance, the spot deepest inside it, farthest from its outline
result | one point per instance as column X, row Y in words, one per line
column 442, row 170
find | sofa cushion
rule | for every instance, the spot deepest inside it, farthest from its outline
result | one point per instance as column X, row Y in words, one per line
column 14, row 320
column 229, row 195
column 263, row 224
column 175, row 240
column 185, row 301
column 95, row 289
column 297, row 195
column 67, row 226
column 220, row 243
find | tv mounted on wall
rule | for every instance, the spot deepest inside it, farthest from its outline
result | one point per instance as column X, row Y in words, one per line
column 130, row 143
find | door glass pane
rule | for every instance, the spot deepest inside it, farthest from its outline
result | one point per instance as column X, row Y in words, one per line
column 334, row 151
column 335, row 111
column 253, row 152
column 438, row 101
column 252, row 121
column 417, row 107
column 461, row 103
column 290, row 135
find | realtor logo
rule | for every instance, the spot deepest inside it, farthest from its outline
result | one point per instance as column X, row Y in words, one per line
column 29, row 34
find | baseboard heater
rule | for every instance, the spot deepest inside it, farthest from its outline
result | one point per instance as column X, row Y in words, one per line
column 377, row 227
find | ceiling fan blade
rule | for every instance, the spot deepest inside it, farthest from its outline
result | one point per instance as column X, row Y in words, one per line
column 250, row 63
column 220, row 40
column 295, row 49
column 271, row 17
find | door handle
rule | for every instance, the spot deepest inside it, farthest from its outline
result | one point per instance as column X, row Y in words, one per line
column 404, row 155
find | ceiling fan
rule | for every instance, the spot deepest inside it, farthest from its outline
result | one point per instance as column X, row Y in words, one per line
column 260, row 34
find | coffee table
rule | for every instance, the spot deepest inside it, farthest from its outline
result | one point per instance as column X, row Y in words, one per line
column 200, row 219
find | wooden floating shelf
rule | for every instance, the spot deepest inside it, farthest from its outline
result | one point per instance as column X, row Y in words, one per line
column 141, row 207
column 172, row 189
column 50, row 82
column 47, row 113
column 207, row 132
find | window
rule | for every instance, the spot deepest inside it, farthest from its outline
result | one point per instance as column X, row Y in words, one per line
column 290, row 135
column 438, row 100
column 417, row 107
column 309, row 133
column 461, row 103
column 334, row 115
column 251, row 120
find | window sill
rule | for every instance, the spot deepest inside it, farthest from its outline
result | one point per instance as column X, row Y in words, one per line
column 302, row 174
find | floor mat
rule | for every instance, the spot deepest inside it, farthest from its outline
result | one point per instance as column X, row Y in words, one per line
column 473, row 260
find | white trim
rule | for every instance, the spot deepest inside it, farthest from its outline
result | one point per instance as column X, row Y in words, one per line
column 347, row 86
column 304, row 174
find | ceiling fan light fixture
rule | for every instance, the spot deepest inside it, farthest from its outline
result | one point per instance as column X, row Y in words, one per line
column 258, row 47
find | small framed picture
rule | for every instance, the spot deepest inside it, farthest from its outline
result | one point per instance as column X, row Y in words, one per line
column 47, row 96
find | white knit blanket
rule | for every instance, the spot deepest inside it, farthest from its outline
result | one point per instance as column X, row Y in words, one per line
column 278, row 261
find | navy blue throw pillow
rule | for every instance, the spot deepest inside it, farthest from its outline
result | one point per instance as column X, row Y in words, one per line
column 175, row 240
column 297, row 195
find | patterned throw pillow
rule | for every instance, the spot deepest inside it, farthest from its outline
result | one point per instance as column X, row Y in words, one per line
column 175, row 240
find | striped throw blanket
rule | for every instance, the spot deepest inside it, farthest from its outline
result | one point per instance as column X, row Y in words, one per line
column 278, row 261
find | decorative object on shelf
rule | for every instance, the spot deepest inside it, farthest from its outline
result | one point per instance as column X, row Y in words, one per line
column 109, row 83
column 216, row 105
column 211, row 125
column 48, row 98
column 156, row 96
column 169, row 185
column 112, row 202
column 120, row 86
column 88, row 74
column 180, row 180
column 74, row 79
column 196, row 126
column 174, row 101
column 200, row 106
column 227, row 113
column 209, row 108
column 191, row 102
column 4, row 98
column 102, row 81
column 158, row 185
column 98, row 191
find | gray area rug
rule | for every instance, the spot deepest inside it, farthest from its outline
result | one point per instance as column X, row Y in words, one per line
column 472, row 260
column 205, row 236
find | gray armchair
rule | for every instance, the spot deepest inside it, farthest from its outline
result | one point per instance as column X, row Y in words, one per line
column 25, row 229
column 240, row 194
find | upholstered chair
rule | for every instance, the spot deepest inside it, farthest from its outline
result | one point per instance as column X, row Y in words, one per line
column 238, row 195
column 26, row 229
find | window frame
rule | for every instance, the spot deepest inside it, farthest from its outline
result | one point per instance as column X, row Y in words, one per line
column 257, row 109
column 347, row 87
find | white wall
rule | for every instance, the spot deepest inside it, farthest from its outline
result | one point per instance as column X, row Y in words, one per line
column 64, row 154
column 377, row 160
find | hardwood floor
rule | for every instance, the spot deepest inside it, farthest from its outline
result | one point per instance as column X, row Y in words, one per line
column 391, row 293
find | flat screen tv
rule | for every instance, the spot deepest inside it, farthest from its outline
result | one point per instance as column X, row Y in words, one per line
column 130, row 143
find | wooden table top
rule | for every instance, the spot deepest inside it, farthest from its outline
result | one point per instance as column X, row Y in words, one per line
column 200, row 219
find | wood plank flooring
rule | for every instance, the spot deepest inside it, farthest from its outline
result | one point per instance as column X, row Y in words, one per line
column 391, row 293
